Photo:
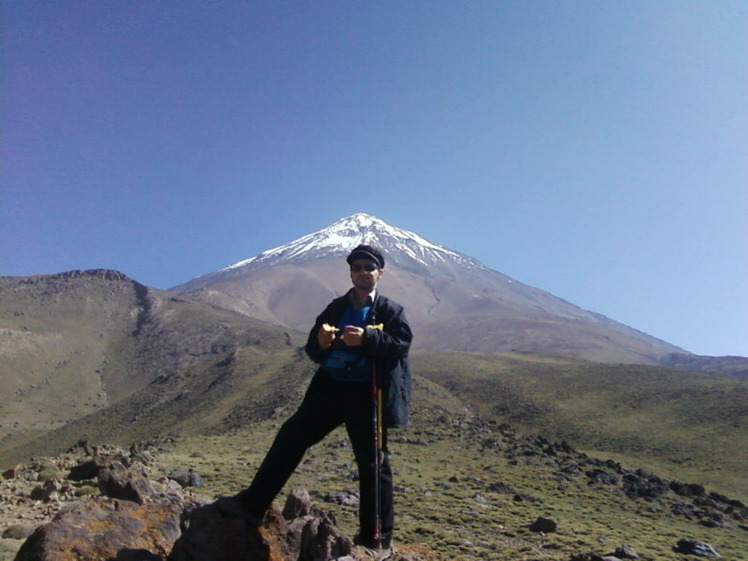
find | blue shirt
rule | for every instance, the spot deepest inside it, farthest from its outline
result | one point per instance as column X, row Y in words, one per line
column 349, row 364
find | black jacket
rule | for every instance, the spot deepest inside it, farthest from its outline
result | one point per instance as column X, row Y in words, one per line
column 388, row 348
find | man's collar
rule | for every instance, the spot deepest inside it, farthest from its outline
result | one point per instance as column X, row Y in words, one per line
column 368, row 301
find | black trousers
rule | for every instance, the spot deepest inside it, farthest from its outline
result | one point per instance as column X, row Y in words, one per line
column 326, row 406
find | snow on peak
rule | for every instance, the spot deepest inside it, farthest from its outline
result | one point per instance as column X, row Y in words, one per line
column 339, row 238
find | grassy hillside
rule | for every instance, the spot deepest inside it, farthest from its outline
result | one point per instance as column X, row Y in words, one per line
column 468, row 486
column 57, row 333
column 682, row 424
column 105, row 358
column 459, row 498
column 94, row 355
column 230, row 390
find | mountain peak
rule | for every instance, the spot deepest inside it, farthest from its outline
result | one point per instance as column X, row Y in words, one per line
column 402, row 247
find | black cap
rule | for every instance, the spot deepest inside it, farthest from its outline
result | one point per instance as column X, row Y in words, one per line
column 366, row 252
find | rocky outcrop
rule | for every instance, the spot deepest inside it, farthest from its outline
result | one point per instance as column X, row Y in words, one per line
column 101, row 528
column 688, row 500
column 115, row 506
column 209, row 536
column 100, row 503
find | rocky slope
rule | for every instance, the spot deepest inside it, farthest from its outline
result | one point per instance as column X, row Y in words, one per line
column 508, row 496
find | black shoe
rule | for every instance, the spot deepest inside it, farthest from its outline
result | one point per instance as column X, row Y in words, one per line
column 233, row 508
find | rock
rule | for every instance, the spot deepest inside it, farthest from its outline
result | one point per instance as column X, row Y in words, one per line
column 88, row 469
column 138, row 453
column 11, row 473
column 693, row 547
column 321, row 540
column 601, row 477
column 643, row 485
column 207, row 535
column 105, row 528
column 524, row 497
column 625, row 552
column 186, row 478
column 293, row 534
column 82, row 447
column 298, row 504
column 714, row 520
column 118, row 482
column 131, row 522
column 45, row 492
column 687, row 489
column 501, row 487
column 544, row 525
column 348, row 497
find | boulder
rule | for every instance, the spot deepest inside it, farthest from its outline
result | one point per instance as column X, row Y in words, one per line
column 347, row 497
column 693, row 547
column 544, row 525
column 601, row 477
column 501, row 487
column 687, row 489
column 88, row 468
column 11, row 473
column 640, row 484
column 45, row 492
column 625, row 552
column 321, row 540
column 186, row 478
column 119, row 482
column 298, row 504
column 103, row 528
column 207, row 535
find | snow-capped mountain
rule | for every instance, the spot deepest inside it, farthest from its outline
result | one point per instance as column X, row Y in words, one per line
column 406, row 249
column 454, row 301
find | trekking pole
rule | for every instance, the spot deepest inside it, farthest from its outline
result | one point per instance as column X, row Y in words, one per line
column 376, row 398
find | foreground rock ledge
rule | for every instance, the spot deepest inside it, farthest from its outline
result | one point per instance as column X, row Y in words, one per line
column 102, row 528
column 166, row 529
column 114, row 506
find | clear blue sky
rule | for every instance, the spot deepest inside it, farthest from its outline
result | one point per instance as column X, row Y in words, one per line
column 595, row 149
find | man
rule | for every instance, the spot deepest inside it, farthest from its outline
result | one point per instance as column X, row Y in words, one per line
column 358, row 336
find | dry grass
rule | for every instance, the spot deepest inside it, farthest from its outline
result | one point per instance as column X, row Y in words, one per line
column 444, row 502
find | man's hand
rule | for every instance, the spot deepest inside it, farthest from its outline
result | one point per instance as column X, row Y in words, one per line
column 326, row 335
column 353, row 336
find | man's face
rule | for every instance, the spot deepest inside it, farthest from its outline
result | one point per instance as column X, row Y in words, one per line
column 365, row 274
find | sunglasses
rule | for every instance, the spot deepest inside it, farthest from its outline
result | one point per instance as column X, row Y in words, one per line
column 368, row 267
